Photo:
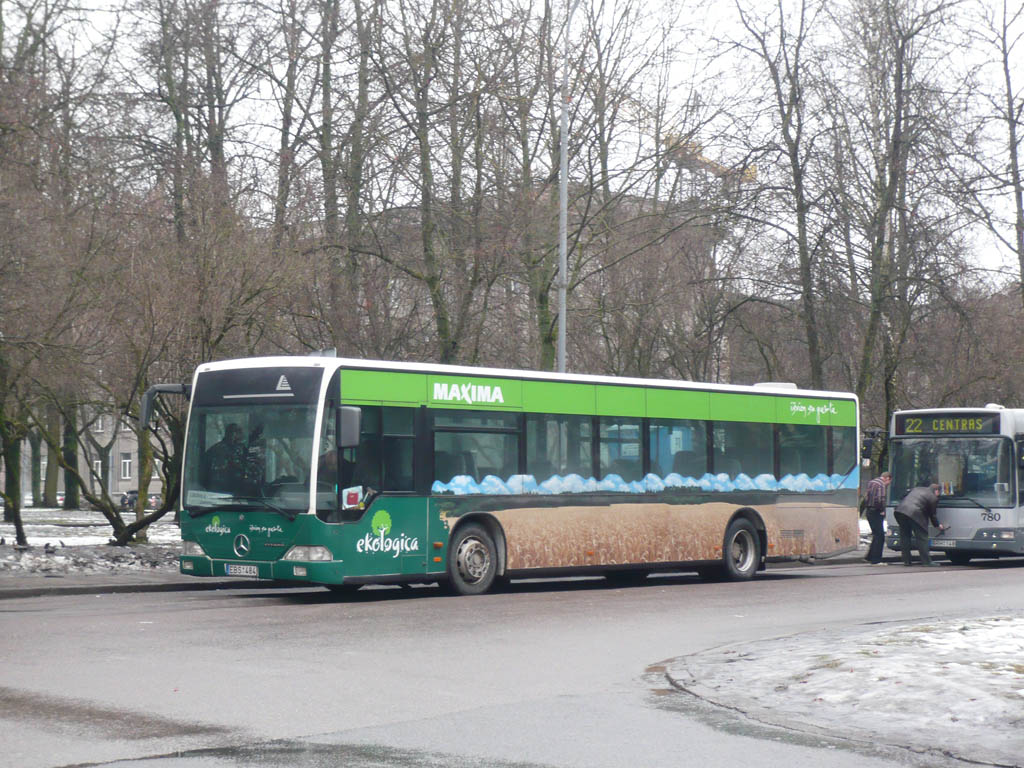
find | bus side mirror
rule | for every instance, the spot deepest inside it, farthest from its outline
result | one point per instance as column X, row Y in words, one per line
column 350, row 421
column 146, row 405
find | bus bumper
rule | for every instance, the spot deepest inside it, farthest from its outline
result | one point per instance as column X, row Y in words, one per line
column 986, row 541
column 278, row 570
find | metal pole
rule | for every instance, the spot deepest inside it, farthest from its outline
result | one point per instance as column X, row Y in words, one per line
column 563, row 193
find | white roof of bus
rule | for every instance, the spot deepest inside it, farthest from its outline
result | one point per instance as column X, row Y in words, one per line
column 332, row 363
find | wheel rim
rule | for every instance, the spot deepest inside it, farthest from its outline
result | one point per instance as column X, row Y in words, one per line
column 742, row 550
column 473, row 560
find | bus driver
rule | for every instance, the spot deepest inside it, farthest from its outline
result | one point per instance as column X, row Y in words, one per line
column 232, row 466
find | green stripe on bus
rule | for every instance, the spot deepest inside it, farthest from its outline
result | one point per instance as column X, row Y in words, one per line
column 376, row 387
column 733, row 406
column 678, row 404
column 558, row 397
column 621, row 401
column 463, row 392
column 368, row 387
column 803, row 410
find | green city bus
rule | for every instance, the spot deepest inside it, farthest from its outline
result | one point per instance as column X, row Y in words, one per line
column 346, row 472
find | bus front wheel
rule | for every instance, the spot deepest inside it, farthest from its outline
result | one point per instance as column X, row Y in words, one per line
column 472, row 560
column 958, row 558
column 741, row 552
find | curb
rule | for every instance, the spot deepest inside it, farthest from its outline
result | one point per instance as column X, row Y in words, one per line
column 38, row 586
column 108, row 588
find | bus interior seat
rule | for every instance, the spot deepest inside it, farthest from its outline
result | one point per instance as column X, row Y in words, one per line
column 624, row 468
column 469, row 465
column 397, row 474
column 688, row 464
column 446, row 466
column 789, row 462
column 728, row 465
column 541, row 469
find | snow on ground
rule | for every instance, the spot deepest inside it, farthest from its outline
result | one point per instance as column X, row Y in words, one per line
column 75, row 541
column 952, row 687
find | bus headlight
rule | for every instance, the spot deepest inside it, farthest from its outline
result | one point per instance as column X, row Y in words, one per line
column 192, row 549
column 308, row 554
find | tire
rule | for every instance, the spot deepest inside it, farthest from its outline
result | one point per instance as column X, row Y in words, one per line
column 741, row 551
column 958, row 558
column 472, row 560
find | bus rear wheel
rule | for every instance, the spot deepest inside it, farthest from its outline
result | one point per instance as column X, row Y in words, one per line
column 741, row 551
column 472, row 560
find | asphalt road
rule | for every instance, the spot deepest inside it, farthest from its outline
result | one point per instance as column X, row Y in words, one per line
column 545, row 674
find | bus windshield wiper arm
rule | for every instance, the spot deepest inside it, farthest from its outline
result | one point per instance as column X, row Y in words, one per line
column 241, row 502
column 975, row 502
column 268, row 505
column 208, row 510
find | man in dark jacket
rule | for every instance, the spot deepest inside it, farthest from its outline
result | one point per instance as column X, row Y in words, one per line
column 914, row 514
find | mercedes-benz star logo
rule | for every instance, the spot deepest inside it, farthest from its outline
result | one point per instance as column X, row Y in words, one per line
column 242, row 545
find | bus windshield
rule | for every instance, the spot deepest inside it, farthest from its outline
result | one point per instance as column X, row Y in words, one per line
column 249, row 455
column 974, row 468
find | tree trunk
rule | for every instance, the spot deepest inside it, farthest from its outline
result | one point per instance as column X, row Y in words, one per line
column 72, row 498
column 35, row 441
column 52, row 464
column 12, row 483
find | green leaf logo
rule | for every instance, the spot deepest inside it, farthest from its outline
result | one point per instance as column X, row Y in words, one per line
column 216, row 521
column 381, row 523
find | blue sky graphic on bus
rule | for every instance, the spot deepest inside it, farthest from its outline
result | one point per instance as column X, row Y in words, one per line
column 464, row 485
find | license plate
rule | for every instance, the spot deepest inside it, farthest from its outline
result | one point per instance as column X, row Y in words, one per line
column 236, row 569
column 943, row 543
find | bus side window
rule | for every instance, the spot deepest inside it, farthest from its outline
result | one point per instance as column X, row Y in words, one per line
column 558, row 445
column 475, row 444
column 1020, row 473
column 619, row 441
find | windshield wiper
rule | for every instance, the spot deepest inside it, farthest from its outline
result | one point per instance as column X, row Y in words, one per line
column 242, row 502
column 208, row 510
column 268, row 505
column 973, row 501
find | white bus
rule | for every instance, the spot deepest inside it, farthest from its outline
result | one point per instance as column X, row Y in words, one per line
column 976, row 455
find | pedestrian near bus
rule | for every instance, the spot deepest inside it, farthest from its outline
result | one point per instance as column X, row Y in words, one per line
column 913, row 514
column 874, row 511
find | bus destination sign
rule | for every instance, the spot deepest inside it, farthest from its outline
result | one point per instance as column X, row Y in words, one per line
column 950, row 423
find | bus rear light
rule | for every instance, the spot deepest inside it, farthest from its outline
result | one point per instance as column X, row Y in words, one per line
column 192, row 549
column 308, row 554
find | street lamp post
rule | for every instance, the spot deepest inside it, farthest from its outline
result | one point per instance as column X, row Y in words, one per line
column 563, row 193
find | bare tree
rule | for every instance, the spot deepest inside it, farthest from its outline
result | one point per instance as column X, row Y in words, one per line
column 1001, row 30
